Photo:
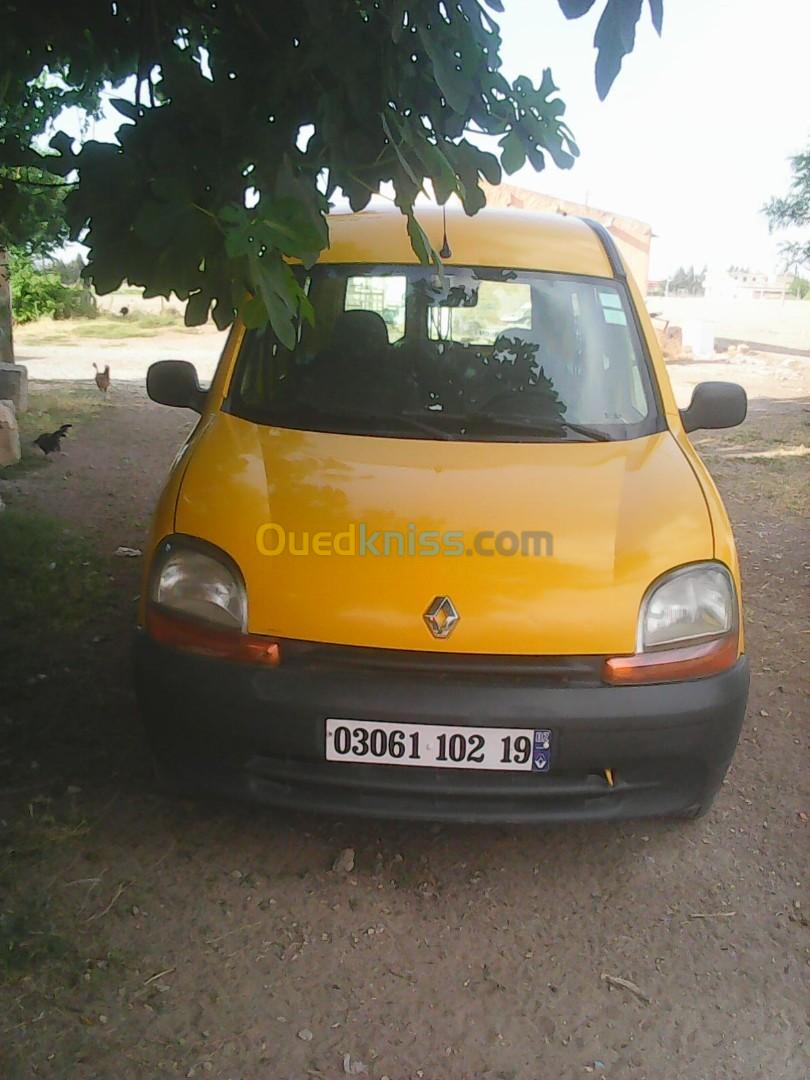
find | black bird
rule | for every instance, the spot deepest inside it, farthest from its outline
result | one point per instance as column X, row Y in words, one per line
column 50, row 441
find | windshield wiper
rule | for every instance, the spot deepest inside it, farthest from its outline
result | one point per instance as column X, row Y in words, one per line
column 368, row 423
column 420, row 425
column 540, row 427
column 371, row 424
column 588, row 432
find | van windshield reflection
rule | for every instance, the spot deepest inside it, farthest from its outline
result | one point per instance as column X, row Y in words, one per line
column 469, row 354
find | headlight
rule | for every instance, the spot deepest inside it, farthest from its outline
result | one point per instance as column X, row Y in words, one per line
column 688, row 605
column 198, row 580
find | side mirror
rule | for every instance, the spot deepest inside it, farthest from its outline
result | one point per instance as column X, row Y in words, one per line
column 175, row 383
column 715, row 405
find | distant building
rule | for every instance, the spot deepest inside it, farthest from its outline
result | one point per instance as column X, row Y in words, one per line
column 738, row 283
column 632, row 237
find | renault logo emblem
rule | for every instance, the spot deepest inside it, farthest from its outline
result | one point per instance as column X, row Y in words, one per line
column 441, row 617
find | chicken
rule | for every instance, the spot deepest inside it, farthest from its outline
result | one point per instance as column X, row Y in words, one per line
column 103, row 378
column 50, row 441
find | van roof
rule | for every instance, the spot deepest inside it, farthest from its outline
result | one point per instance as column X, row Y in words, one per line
column 517, row 239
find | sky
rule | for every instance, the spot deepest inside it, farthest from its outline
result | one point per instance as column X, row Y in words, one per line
column 696, row 133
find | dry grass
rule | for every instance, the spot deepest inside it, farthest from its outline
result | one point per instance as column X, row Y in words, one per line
column 53, row 588
column 49, row 406
column 106, row 327
column 765, row 458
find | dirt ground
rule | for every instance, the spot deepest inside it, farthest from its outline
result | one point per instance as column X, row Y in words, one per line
column 154, row 937
column 59, row 350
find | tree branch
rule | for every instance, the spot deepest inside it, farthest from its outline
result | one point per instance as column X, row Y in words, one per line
column 37, row 183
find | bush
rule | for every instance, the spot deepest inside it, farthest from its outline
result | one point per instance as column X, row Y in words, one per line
column 77, row 302
column 154, row 320
column 36, row 294
column 33, row 293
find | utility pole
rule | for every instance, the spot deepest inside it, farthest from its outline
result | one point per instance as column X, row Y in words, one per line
column 6, row 336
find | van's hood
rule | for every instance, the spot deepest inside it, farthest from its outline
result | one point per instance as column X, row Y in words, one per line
column 619, row 515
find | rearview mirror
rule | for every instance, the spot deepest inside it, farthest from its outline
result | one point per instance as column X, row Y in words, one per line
column 175, row 383
column 715, row 405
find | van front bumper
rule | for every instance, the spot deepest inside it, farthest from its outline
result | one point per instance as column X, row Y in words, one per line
column 258, row 733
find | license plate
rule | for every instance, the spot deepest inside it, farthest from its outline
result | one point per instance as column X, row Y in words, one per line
column 427, row 745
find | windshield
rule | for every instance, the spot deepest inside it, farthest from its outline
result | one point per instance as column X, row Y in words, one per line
column 477, row 354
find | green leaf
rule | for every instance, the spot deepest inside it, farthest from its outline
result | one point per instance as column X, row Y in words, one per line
column 126, row 108
column 283, row 326
column 197, row 309
column 395, row 142
column 105, row 279
column 288, row 225
column 171, row 189
column 397, row 16
column 307, row 310
column 253, row 313
column 62, row 143
column 238, row 241
column 454, row 84
column 222, row 314
column 420, row 242
column 513, row 155
column 233, row 214
column 573, row 9
column 180, row 169
column 278, row 289
column 437, row 167
column 614, row 38
column 154, row 220
column 470, row 163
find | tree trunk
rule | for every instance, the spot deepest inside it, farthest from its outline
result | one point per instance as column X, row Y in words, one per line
column 6, row 337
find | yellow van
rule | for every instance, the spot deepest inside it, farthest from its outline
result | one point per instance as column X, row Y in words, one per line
column 453, row 556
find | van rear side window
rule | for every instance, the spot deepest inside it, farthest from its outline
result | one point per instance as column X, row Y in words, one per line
column 478, row 354
column 384, row 294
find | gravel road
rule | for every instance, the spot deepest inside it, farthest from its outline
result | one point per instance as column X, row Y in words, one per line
column 202, row 938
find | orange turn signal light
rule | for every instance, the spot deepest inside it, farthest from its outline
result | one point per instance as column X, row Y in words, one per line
column 193, row 636
column 672, row 665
